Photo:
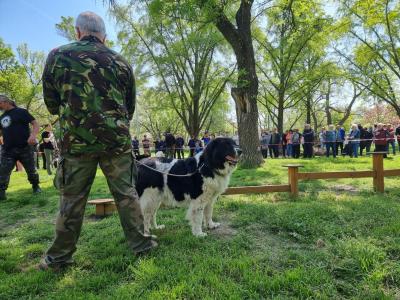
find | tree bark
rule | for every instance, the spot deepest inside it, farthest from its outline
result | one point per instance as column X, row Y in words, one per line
column 280, row 111
column 327, row 105
column 308, row 108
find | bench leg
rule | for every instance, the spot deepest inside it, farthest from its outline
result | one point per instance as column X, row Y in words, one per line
column 100, row 210
column 109, row 208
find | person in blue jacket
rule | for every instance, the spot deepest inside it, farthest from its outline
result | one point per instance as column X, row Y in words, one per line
column 354, row 139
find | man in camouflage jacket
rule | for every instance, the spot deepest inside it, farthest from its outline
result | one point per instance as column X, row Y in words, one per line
column 92, row 90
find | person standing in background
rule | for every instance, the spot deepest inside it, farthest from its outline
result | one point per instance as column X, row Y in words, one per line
column 180, row 143
column 341, row 133
column 391, row 139
column 205, row 139
column 354, row 139
column 296, row 137
column 284, row 143
column 146, row 145
column 264, row 142
column 48, row 147
column 397, row 134
column 170, row 145
column 368, row 136
column 18, row 141
column 135, row 146
column 308, row 135
column 380, row 139
column 275, row 142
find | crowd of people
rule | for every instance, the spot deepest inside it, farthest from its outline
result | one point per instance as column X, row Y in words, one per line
column 329, row 140
column 172, row 146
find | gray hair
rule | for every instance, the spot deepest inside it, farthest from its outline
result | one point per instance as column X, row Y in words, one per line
column 4, row 98
column 89, row 22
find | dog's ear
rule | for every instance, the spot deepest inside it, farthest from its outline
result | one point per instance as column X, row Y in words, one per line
column 208, row 154
column 216, row 151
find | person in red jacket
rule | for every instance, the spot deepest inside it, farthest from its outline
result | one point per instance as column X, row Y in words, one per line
column 380, row 138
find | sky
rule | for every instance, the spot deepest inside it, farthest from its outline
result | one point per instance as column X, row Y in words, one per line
column 33, row 21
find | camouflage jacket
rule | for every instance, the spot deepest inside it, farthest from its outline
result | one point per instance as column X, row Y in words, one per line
column 92, row 89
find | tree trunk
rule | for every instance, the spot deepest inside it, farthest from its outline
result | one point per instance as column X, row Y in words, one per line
column 280, row 116
column 245, row 94
column 247, row 112
column 327, row 105
column 308, row 108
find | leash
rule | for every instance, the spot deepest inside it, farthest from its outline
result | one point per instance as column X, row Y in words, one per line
column 167, row 173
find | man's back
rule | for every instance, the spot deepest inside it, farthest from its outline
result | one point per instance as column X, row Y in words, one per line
column 169, row 140
column 92, row 89
column 15, row 127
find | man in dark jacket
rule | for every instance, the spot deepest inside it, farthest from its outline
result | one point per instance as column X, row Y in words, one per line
column 308, row 135
column 192, row 146
column 170, row 145
column 368, row 136
column 179, row 143
column 135, row 146
column 275, row 143
column 363, row 142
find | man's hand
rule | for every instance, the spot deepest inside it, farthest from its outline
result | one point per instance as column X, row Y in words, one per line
column 32, row 140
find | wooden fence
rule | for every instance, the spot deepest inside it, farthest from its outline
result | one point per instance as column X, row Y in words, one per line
column 378, row 174
column 107, row 206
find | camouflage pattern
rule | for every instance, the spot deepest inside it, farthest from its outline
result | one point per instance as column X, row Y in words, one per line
column 74, row 179
column 7, row 164
column 92, row 89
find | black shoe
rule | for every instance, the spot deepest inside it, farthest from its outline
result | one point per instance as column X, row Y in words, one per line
column 36, row 189
column 44, row 265
column 3, row 195
column 143, row 252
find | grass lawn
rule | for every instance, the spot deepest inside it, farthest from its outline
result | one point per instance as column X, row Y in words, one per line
column 338, row 240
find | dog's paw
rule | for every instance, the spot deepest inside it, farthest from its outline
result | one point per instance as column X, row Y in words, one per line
column 160, row 227
column 213, row 225
column 200, row 234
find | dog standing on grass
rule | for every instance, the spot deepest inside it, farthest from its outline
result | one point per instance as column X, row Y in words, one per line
column 197, row 181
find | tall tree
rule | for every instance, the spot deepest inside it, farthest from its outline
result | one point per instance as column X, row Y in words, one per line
column 291, row 49
column 246, row 91
column 180, row 54
column 234, row 21
column 32, row 62
column 373, row 30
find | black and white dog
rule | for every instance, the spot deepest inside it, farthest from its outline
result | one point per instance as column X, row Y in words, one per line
column 198, row 180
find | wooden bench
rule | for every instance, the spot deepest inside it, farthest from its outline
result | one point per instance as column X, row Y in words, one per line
column 104, row 207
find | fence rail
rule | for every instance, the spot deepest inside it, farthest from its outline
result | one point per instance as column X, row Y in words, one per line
column 378, row 175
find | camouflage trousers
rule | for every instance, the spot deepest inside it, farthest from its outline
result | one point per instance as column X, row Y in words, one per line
column 7, row 164
column 74, row 178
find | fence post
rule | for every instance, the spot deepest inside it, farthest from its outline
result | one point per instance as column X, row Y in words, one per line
column 293, row 172
column 377, row 166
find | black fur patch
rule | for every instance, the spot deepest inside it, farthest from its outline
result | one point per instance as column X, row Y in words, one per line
column 148, row 178
column 191, row 185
